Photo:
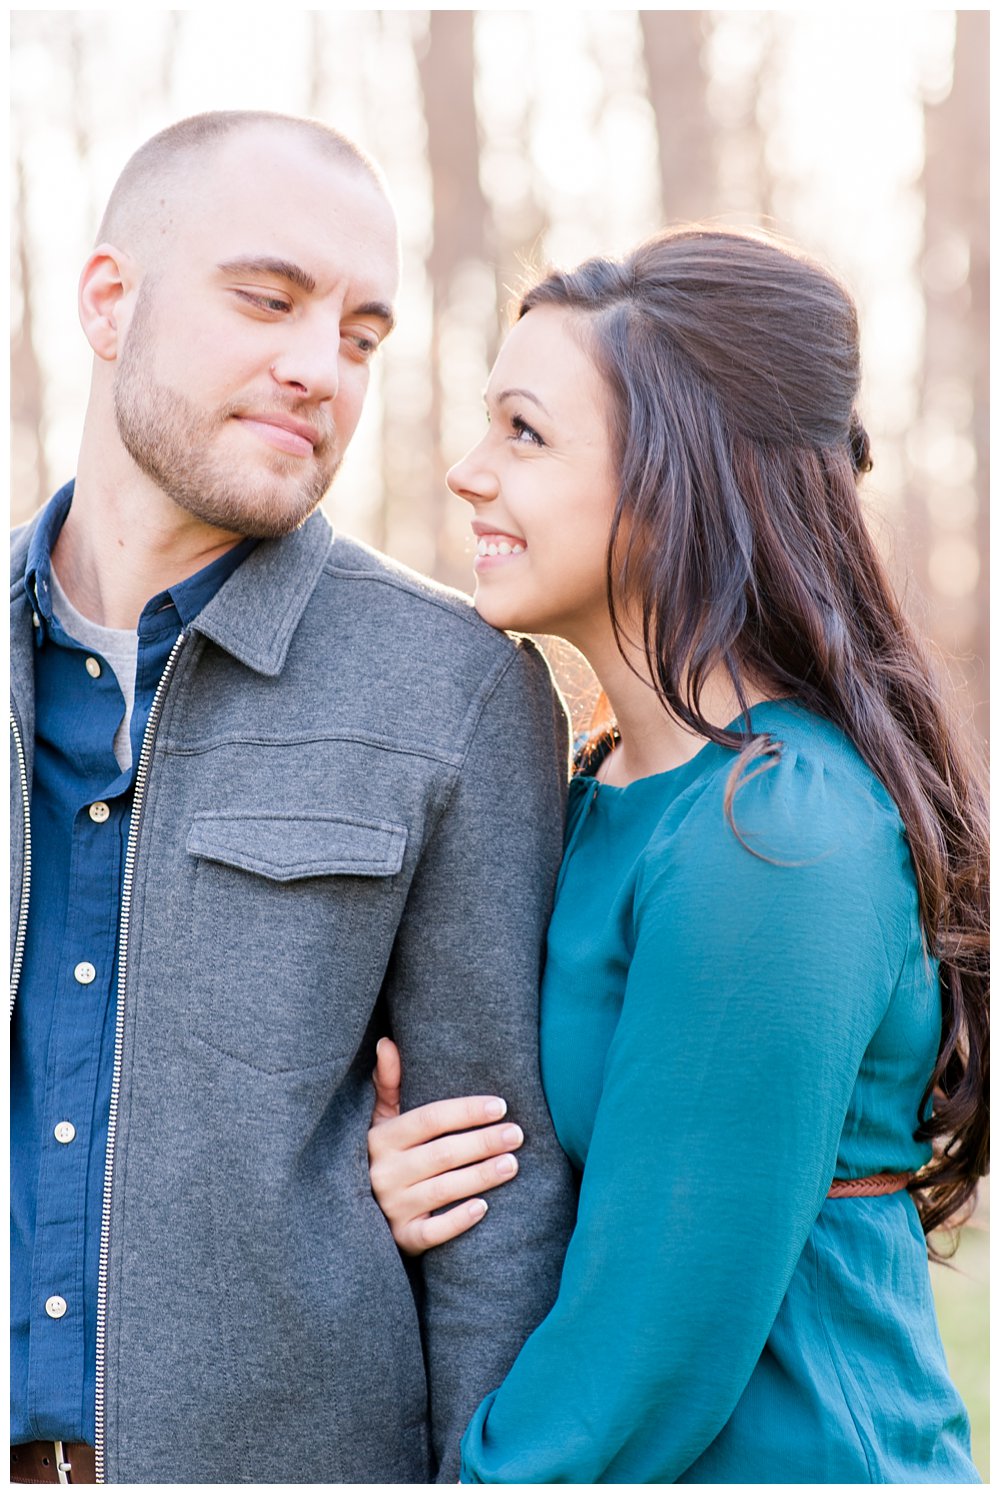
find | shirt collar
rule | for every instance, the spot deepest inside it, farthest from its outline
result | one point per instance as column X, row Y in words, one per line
column 38, row 565
column 188, row 596
column 191, row 595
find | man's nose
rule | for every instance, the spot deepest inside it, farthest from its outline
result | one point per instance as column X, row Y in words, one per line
column 310, row 366
column 472, row 478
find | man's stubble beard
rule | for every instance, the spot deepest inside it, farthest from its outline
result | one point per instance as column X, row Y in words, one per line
column 172, row 442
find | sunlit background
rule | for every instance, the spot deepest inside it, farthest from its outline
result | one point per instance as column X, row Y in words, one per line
column 513, row 138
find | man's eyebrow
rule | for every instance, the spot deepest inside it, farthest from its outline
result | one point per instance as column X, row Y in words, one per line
column 284, row 269
column 266, row 264
column 520, row 394
column 380, row 311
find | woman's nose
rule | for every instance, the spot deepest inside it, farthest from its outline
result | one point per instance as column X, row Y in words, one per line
column 471, row 478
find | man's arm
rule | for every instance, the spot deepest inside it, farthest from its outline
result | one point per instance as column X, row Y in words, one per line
column 463, row 1002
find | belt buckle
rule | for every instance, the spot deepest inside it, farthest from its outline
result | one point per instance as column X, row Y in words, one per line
column 62, row 1467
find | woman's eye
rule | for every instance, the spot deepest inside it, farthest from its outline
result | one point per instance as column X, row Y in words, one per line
column 525, row 433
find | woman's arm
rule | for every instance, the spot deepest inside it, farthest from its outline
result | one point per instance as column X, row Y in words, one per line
column 753, row 992
column 429, row 1157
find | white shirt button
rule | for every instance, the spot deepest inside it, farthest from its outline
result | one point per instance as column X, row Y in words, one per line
column 56, row 1307
column 99, row 812
column 85, row 972
column 36, row 621
column 92, row 667
column 65, row 1132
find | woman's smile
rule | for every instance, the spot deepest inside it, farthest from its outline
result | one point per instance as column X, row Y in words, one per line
column 494, row 546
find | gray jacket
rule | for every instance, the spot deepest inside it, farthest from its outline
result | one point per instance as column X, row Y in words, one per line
column 348, row 820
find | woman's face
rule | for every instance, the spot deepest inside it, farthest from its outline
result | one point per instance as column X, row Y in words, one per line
column 542, row 484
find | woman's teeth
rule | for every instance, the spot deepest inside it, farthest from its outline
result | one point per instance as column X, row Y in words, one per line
column 499, row 547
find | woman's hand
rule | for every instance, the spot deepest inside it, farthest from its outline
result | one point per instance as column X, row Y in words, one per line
column 430, row 1157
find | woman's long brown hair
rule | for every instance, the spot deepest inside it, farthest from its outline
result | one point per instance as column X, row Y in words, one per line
column 734, row 369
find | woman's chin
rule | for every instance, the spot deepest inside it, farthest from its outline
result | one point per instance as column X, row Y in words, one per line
column 493, row 611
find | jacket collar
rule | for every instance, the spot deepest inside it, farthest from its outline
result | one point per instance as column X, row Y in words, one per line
column 253, row 616
column 22, row 640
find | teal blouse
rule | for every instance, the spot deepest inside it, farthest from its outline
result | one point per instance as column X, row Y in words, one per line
column 723, row 1033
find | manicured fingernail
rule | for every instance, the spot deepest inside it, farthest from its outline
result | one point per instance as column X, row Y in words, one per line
column 477, row 1208
column 379, row 1044
column 506, row 1166
column 512, row 1135
column 496, row 1108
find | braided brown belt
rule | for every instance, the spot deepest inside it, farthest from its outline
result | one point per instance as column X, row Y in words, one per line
column 879, row 1182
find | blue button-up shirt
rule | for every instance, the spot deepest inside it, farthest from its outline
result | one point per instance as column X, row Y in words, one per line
column 63, row 1035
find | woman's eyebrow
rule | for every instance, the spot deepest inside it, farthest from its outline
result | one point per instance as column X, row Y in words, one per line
column 520, row 394
column 266, row 264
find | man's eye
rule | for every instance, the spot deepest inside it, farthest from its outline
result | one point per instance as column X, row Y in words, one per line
column 363, row 343
column 265, row 302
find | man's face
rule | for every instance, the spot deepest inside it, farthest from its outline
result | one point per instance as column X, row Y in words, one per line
column 247, row 356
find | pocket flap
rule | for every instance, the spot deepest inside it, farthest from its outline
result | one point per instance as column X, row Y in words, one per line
column 287, row 847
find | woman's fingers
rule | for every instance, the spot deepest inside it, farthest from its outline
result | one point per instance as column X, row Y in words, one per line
column 426, row 1159
column 449, row 1153
column 387, row 1078
column 434, row 1229
column 427, row 1122
column 433, row 1193
column 397, row 1173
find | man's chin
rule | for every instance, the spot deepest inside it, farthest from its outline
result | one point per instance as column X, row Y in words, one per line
column 266, row 516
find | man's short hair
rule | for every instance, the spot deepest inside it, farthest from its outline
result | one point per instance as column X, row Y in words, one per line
column 165, row 154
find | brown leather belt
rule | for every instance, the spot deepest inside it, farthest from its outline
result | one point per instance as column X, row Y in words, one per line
column 52, row 1463
column 879, row 1182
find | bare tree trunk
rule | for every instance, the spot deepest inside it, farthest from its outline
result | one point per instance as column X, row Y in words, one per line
column 517, row 241
column 78, row 41
column 673, row 41
column 30, row 475
column 955, row 386
column 459, row 248
column 971, row 90
column 742, row 107
column 314, row 64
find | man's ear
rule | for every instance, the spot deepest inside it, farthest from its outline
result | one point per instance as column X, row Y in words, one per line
column 106, row 281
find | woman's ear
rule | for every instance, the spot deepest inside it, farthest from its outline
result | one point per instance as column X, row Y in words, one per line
column 106, row 280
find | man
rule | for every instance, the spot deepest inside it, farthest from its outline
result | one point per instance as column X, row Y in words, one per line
column 273, row 795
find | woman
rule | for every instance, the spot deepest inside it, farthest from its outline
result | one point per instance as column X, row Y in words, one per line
column 765, row 992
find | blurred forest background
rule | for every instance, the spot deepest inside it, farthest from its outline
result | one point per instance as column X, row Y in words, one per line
column 516, row 138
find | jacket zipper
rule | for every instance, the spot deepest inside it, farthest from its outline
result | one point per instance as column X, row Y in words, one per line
column 22, row 915
column 139, row 793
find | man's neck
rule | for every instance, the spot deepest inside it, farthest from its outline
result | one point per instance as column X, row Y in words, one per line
column 117, row 549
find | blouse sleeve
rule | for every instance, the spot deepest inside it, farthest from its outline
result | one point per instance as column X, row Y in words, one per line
column 754, row 989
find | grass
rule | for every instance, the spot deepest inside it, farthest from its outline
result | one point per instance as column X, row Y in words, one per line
column 962, row 1297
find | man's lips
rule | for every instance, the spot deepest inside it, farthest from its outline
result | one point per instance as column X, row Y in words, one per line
column 283, row 431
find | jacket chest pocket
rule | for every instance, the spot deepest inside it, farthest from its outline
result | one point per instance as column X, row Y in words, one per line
column 293, row 921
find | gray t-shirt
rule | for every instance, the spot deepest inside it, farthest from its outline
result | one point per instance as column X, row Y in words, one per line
column 119, row 647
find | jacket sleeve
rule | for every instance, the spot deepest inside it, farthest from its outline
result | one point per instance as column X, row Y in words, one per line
column 463, row 1003
column 753, row 991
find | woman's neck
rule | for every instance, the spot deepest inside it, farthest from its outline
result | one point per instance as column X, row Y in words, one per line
column 652, row 740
